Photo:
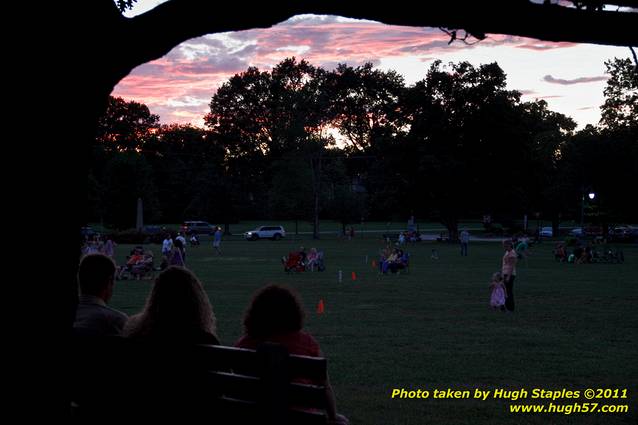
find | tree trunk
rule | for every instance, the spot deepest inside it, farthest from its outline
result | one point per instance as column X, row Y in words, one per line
column 555, row 225
column 316, row 187
column 452, row 226
column 604, row 225
column 315, row 231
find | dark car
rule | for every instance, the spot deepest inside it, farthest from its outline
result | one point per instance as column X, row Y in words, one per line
column 622, row 234
column 576, row 232
column 153, row 234
column 198, row 228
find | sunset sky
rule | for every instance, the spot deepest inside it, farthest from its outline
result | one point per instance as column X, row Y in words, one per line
column 178, row 87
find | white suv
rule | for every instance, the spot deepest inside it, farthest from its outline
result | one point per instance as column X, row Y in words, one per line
column 263, row 232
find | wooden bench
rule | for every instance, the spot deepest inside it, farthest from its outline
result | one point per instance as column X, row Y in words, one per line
column 123, row 380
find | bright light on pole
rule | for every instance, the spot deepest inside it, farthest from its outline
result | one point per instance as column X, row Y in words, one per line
column 591, row 196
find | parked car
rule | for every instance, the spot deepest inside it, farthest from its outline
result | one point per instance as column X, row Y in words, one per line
column 546, row 232
column 87, row 233
column 266, row 232
column 622, row 234
column 593, row 231
column 198, row 228
column 576, row 232
column 153, row 234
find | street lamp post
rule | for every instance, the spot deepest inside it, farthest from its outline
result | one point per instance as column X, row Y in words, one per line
column 591, row 196
column 538, row 226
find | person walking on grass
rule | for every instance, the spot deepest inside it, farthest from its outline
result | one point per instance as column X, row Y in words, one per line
column 176, row 256
column 522, row 249
column 180, row 237
column 109, row 247
column 464, row 238
column 217, row 240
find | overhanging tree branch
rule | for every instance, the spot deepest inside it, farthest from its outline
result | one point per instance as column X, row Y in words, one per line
column 175, row 21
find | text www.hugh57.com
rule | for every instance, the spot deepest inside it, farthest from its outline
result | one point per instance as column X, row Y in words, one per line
column 568, row 409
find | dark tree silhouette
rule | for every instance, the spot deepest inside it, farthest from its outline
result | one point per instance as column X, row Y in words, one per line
column 115, row 45
column 119, row 44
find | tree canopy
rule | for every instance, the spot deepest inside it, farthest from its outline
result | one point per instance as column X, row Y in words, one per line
column 456, row 144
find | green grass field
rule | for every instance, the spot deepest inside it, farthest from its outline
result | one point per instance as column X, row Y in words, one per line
column 575, row 326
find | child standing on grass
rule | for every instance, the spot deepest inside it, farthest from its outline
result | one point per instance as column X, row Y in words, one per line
column 499, row 293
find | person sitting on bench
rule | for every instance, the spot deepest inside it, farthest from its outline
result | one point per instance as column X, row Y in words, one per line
column 276, row 315
column 93, row 317
column 177, row 309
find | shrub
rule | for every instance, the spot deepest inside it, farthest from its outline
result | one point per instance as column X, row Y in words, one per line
column 492, row 229
column 129, row 236
column 571, row 241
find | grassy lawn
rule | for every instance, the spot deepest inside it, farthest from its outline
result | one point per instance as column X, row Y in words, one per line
column 575, row 326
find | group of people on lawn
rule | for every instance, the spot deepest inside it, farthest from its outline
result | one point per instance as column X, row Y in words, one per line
column 140, row 262
column 409, row 236
column 97, row 244
column 393, row 260
column 304, row 261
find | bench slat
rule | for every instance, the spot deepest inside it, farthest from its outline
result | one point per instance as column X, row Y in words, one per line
column 233, row 358
column 158, row 378
column 249, row 412
column 248, row 388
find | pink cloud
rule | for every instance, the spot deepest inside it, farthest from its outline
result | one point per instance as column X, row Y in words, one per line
column 541, row 45
column 550, row 79
column 525, row 43
column 179, row 86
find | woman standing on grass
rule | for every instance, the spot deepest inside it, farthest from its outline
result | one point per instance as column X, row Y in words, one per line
column 510, row 259
column 176, row 255
column 109, row 247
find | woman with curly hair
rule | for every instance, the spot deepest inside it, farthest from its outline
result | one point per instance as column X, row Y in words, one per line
column 177, row 309
column 275, row 314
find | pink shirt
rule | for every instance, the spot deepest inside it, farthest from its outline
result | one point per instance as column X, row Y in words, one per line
column 509, row 263
column 300, row 343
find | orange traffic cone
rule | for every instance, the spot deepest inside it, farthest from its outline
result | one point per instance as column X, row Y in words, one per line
column 354, row 276
column 320, row 307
